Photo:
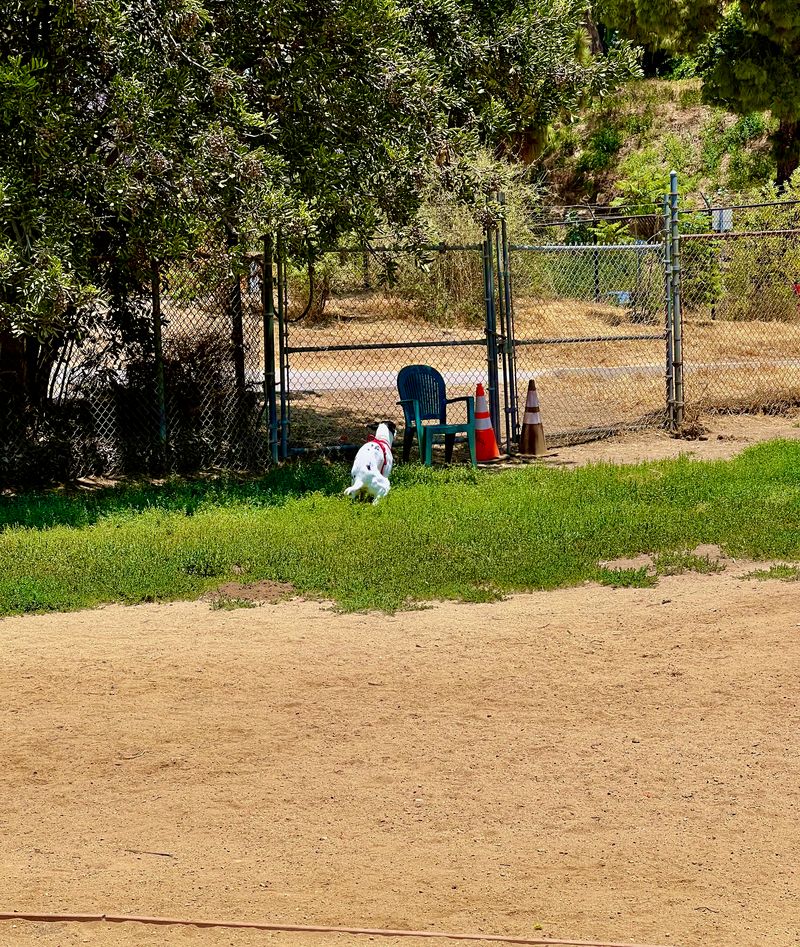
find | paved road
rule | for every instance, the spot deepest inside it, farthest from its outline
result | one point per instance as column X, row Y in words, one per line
column 341, row 379
column 334, row 379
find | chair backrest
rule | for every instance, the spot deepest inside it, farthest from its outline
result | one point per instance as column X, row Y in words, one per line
column 426, row 386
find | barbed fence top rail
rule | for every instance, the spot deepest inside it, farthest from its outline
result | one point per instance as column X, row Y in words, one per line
column 408, row 248
column 718, row 207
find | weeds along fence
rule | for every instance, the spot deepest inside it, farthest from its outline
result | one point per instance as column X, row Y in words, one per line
column 625, row 320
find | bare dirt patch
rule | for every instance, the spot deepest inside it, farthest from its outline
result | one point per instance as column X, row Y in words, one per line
column 265, row 590
column 589, row 763
column 644, row 561
column 725, row 436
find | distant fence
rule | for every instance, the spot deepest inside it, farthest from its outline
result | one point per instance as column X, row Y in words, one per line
column 626, row 321
column 740, row 291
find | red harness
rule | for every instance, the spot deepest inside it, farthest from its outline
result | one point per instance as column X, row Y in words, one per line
column 384, row 446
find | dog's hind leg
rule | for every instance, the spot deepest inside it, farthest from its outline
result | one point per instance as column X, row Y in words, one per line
column 355, row 488
column 382, row 487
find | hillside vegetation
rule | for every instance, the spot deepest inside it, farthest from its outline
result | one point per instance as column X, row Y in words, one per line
column 623, row 147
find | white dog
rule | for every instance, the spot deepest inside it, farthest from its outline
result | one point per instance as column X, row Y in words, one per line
column 373, row 464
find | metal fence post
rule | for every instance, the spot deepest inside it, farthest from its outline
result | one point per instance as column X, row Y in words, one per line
column 677, row 318
column 500, row 314
column 159, row 363
column 367, row 284
column 268, row 310
column 491, row 328
column 283, row 356
column 668, row 337
column 237, row 324
column 596, row 268
column 509, row 354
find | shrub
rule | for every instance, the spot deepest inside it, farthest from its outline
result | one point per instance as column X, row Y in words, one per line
column 690, row 96
column 602, row 146
column 759, row 278
column 639, row 123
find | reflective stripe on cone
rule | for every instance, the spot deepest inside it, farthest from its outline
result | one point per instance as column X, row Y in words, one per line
column 485, row 442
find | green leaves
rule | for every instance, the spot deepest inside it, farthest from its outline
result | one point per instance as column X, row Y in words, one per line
column 747, row 71
column 131, row 129
column 748, row 54
column 99, row 106
column 514, row 67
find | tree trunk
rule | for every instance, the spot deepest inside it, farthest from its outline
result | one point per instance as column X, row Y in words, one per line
column 595, row 42
column 786, row 148
column 25, row 368
column 523, row 146
column 12, row 363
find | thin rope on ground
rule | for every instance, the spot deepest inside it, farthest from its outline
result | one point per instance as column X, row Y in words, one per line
column 301, row 928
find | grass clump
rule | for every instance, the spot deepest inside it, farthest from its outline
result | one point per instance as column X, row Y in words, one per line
column 225, row 603
column 782, row 571
column 676, row 562
column 626, row 578
column 440, row 534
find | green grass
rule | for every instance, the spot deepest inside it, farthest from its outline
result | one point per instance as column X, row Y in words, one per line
column 450, row 533
column 226, row 604
column 675, row 562
column 782, row 570
column 626, row 578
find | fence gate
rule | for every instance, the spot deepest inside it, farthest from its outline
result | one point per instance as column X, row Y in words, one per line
column 350, row 322
column 590, row 322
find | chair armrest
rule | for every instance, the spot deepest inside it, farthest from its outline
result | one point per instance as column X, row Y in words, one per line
column 415, row 404
column 470, row 402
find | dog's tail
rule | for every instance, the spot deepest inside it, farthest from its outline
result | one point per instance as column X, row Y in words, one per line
column 354, row 488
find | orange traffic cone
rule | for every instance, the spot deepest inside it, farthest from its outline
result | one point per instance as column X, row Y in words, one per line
column 532, row 442
column 485, row 443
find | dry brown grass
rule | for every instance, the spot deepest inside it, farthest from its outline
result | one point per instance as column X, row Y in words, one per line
column 377, row 319
column 616, row 384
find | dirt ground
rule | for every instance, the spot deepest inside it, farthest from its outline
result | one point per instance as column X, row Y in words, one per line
column 723, row 436
column 587, row 763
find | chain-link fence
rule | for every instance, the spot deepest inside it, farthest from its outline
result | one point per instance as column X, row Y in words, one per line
column 740, row 292
column 84, row 406
column 212, row 358
column 172, row 383
column 625, row 322
column 590, row 328
column 363, row 315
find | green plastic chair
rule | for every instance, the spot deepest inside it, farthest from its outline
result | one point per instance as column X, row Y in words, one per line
column 423, row 397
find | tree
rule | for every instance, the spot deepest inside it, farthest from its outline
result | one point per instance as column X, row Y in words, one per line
column 513, row 67
column 130, row 129
column 351, row 106
column 748, row 55
column 133, row 129
column 752, row 63
column 120, row 136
